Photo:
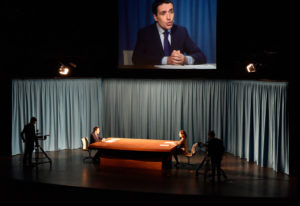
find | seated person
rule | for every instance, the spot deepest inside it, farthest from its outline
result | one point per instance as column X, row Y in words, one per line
column 182, row 146
column 95, row 137
column 165, row 43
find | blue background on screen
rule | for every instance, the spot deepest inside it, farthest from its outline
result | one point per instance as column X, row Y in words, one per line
column 198, row 16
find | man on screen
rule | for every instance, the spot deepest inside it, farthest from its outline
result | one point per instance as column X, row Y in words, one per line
column 165, row 43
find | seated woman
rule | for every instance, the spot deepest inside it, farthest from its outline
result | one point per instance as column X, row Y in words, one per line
column 95, row 137
column 182, row 146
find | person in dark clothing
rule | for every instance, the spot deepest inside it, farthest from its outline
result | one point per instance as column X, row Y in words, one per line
column 215, row 150
column 28, row 136
column 95, row 137
column 163, row 42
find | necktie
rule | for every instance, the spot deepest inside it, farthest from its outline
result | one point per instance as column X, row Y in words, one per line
column 166, row 43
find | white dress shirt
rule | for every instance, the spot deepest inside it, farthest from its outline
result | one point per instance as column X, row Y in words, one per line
column 164, row 61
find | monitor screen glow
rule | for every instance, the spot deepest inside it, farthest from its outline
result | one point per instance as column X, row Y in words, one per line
column 141, row 45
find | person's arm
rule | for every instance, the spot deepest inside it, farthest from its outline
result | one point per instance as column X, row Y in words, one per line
column 93, row 138
column 177, row 58
column 180, row 141
column 22, row 135
column 209, row 149
column 192, row 50
column 189, row 60
column 99, row 137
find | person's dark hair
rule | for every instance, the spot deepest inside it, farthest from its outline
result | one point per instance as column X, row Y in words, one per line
column 33, row 119
column 95, row 128
column 211, row 133
column 182, row 131
column 157, row 3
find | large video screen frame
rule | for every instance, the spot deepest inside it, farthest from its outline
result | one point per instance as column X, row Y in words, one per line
column 198, row 17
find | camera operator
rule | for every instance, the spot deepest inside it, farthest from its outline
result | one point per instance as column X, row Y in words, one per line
column 215, row 150
column 29, row 137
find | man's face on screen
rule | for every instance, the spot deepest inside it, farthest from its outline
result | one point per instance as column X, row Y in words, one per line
column 165, row 16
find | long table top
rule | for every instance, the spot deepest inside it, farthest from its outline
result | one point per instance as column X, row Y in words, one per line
column 129, row 144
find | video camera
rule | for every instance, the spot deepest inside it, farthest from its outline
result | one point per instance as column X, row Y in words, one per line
column 41, row 137
column 201, row 144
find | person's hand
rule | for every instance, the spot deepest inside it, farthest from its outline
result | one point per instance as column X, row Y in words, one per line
column 176, row 58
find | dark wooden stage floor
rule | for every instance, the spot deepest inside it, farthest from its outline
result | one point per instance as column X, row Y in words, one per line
column 74, row 182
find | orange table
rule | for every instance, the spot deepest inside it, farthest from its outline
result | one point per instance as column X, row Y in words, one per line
column 145, row 153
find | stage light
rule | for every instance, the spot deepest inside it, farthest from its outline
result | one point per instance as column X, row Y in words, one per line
column 64, row 70
column 251, row 68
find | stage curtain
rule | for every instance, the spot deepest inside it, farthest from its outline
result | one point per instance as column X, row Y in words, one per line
column 160, row 108
column 65, row 109
column 198, row 16
column 258, row 123
column 249, row 116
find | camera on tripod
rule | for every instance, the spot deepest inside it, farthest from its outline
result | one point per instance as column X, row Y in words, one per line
column 202, row 146
column 39, row 148
column 41, row 137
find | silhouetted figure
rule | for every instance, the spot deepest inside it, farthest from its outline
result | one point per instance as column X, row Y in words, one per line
column 215, row 150
column 28, row 136
column 182, row 146
column 95, row 137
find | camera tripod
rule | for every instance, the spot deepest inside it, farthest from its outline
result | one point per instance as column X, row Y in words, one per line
column 39, row 148
column 207, row 167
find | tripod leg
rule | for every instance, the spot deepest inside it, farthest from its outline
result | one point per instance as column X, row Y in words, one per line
column 37, row 154
column 200, row 166
column 223, row 173
column 46, row 156
column 206, row 168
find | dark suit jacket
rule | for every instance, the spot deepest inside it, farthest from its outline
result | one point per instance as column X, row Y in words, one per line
column 28, row 132
column 149, row 50
column 95, row 138
column 215, row 148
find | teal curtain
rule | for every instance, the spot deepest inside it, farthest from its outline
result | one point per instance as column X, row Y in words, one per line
column 65, row 109
column 250, row 116
column 160, row 108
column 258, row 123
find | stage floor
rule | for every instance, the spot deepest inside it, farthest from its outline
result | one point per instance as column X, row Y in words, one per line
column 70, row 174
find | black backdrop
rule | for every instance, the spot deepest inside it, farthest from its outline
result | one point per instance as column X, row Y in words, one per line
column 35, row 37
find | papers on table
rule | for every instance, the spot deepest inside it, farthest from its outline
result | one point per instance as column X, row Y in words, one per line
column 111, row 140
column 167, row 144
column 197, row 66
column 173, row 143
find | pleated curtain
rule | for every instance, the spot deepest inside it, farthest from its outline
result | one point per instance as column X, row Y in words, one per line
column 249, row 116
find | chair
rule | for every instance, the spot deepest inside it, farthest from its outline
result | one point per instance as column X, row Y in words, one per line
column 85, row 147
column 127, row 55
column 192, row 153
